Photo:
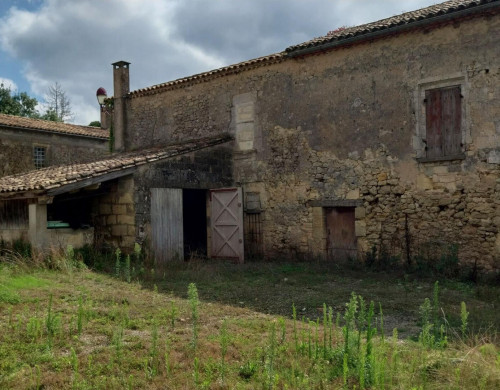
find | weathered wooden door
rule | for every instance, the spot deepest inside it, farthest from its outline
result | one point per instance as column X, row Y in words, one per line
column 341, row 235
column 167, row 224
column 227, row 223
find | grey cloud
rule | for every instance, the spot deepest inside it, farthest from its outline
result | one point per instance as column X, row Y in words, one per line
column 239, row 30
column 74, row 42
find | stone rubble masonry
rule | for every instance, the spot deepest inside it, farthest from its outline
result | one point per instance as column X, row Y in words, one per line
column 17, row 149
column 346, row 125
column 116, row 215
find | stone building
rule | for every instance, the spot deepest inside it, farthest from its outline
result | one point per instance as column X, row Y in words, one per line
column 27, row 144
column 82, row 203
column 385, row 135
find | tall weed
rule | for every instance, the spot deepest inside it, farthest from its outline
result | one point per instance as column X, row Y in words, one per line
column 194, row 303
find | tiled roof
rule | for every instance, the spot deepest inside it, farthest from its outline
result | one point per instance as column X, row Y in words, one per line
column 405, row 19
column 51, row 126
column 42, row 180
column 201, row 77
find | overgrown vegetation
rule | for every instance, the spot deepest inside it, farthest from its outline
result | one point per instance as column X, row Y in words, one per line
column 202, row 325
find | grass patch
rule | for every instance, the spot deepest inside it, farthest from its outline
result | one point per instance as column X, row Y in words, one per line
column 223, row 326
column 11, row 283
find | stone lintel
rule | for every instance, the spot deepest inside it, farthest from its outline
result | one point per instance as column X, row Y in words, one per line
column 336, row 203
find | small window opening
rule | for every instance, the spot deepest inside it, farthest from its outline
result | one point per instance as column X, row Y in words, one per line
column 39, row 157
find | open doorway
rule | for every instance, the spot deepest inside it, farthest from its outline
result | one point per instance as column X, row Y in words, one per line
column 194, row 213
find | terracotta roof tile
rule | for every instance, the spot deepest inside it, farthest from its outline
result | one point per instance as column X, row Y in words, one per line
column 50, row 126
column 407, row 18
column 58, row 176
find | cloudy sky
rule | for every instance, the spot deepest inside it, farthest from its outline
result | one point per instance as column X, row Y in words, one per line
column 73, row 42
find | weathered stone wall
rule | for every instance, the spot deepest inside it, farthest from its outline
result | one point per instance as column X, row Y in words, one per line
column 115, row 215
column 347, row 124
column 16, row 149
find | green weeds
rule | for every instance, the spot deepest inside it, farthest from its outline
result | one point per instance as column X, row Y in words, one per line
column 92, row 331
column 464, row 315
column 194, row 303
column 224, row 343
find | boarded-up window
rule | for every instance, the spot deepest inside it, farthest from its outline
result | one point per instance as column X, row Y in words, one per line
column 443, row 111
column 14, row 214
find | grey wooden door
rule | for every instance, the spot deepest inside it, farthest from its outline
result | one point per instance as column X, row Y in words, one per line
column 227, row 223
column 167, row 224
column 341, row 236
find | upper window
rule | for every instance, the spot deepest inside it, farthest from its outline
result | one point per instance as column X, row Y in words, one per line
column 39, row 157
column 443, row 122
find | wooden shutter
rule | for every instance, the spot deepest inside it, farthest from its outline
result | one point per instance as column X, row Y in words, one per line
column 167, row 224
column 452, row 120
column 227, row 223
column 443, row 122
column 433, row 136
column 14, row 214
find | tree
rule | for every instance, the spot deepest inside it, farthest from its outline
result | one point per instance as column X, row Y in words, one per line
column 20, row 104
column 59, row 106
column 95, row 124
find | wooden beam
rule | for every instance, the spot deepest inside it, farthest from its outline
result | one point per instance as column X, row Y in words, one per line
column 17, row 195
column 44, row 199
column 91, row 181
column 336, row 203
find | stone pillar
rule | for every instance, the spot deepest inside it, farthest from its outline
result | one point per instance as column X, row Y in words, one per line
column 121, row 84
column 37, row 225
column 318, row 232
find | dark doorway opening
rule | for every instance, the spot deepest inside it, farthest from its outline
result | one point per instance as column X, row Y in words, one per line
column 194, row 215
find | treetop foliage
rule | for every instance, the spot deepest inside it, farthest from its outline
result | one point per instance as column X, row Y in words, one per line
column 21, row 104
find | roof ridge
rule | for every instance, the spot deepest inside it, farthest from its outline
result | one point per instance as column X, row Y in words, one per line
column 37, row 124
column 204, row 76
column 27, row 118
column 405, row 18
column 57, row 176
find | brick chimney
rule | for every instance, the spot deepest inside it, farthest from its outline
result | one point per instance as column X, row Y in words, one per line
column 121, row 83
